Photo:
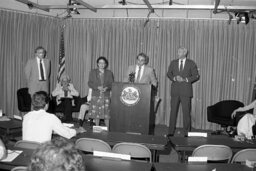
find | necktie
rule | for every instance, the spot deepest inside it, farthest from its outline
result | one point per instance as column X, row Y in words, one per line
column 65, row 93
column 138, row 75
column 181, row 65
column 42, row 70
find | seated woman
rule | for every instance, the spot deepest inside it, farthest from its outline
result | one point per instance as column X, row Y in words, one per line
column 84, row 108
column 247, row 122
column 64, row 92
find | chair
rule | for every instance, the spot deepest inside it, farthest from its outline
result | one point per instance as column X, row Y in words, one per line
column 137, row 151
column 243, row 155
column 78, row 101
column 88, row 145
column 27, row 144
column 214, row 153
column 220, row 112
column 24, row 100
column 19, row 168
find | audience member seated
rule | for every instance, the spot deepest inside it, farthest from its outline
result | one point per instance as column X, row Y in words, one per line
column 56, row 155
column 64, row 93
column 38, row 124
column 3, row 152
column 83, row 111
column 246, row 125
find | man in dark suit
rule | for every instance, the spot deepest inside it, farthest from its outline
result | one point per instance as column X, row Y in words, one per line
column 182, row 72
column 143, row 73
column 37, row 71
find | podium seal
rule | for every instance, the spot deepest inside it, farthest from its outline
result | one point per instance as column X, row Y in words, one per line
column 130, row 96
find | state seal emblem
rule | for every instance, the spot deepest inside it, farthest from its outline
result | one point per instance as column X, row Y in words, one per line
column 130, row 96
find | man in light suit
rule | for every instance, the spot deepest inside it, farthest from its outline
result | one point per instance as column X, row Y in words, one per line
column 65, row 93
column 38, row 71
column 143, row 73
column 182, row 72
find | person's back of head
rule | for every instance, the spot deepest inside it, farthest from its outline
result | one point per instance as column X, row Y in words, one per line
column 39, row 100
column 56, row 155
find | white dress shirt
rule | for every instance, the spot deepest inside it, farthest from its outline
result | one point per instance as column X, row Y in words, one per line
column 137, row 70
column 183, row 63
column 39, row 71
column 39, row 125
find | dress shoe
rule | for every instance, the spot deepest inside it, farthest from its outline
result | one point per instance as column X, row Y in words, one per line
column 80, row 122
column 92, row 123
column 168, row 135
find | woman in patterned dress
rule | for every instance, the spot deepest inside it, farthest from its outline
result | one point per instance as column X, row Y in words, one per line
column 100, row 81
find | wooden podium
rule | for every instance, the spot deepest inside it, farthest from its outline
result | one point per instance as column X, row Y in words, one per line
column 131, row 108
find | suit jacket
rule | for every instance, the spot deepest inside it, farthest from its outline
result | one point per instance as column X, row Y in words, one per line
column 148, row 75
column 32, row 76
column 94, row 81
column 189, row 72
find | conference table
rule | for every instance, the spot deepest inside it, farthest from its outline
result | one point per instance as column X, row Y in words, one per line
column 154, row 143
column 185, row 145
column 10, row 128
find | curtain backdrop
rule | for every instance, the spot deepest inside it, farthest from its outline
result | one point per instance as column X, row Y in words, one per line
column 225, row 55
column 20, row 34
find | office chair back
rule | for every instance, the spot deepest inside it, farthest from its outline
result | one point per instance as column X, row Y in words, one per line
column 89, row 145
column 58, row 108
column 220, row 112
column 24, row 100
column 243, row 155
column 27, row 144
column 135, row 150
column 19, row 168
column 214, row 153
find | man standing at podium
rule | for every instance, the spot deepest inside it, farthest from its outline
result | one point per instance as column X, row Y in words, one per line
column 141, row 72
column 182, row 72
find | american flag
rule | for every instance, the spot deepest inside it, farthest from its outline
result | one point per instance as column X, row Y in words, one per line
column 61, row 55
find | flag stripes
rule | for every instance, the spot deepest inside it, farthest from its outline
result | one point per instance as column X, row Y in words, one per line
column 61, row 69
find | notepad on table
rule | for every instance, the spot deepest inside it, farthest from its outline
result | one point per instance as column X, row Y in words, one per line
column 197, row 134
column 99, row 128
column 17, row 117
column 197, row 159
column 12, row 154
column 112, row 155
column 70, row 125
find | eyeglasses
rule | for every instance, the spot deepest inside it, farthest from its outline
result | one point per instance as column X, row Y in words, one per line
column 141, row 60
